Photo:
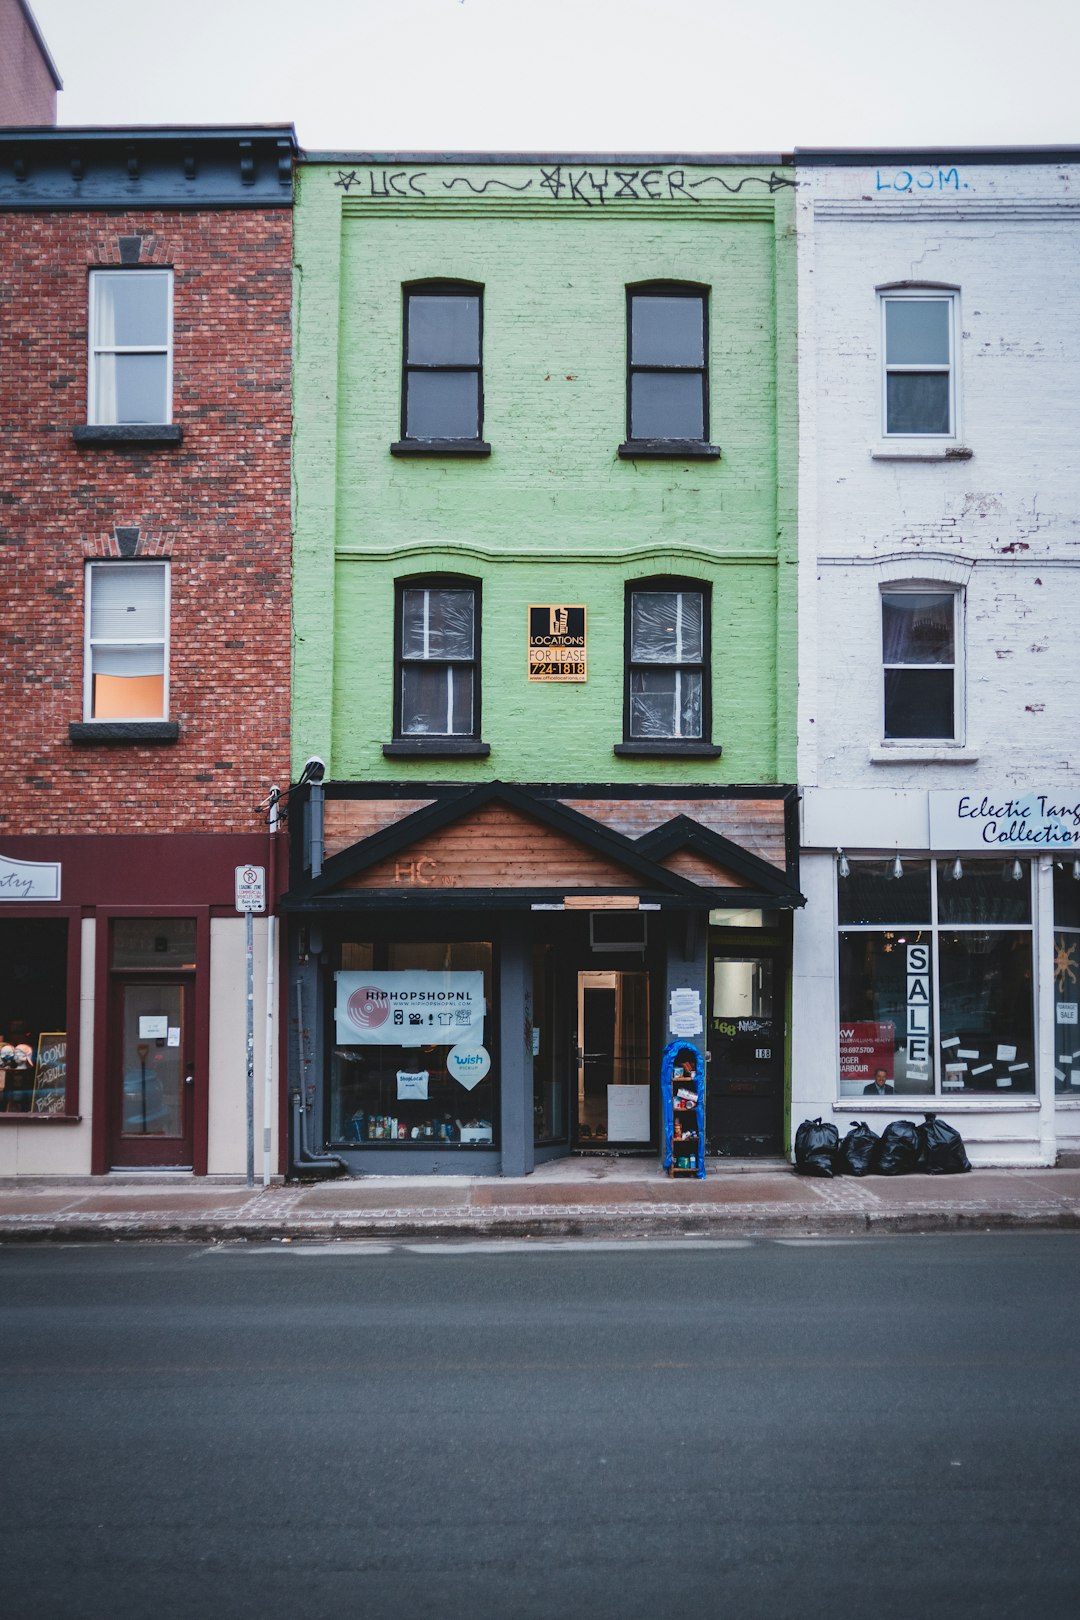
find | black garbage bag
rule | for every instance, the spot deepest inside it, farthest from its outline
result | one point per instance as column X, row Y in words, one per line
column 899, row 1150
column 816, row 1146
column 942, row 1148
column 856, row 1155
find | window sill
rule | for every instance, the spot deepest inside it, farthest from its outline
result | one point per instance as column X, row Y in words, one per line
column 40, row 1119
column 642, row 748
column 668, row 450
column 938, row 1103
column 124, row 731
column 129, row 433
column 913, row 450
column 935, row 754
column 440, row 447
column 437, row 748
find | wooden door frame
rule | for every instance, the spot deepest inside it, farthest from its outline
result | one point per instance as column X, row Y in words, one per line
column 103, row 981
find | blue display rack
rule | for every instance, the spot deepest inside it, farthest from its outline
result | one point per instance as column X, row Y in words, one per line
column 682, row 1092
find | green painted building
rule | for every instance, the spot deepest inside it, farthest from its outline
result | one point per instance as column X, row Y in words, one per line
column 545, row 621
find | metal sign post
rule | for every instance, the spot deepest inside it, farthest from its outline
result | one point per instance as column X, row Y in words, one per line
column 250, row 897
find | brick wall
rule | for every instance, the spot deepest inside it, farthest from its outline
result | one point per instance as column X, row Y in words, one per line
column 27, row 91
column 218, row 506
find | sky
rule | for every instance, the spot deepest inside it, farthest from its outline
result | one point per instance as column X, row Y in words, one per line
column 675, row 76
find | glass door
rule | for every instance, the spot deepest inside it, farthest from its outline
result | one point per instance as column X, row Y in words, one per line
column 614, row 1082
column 151, row 1073
column 745, row 1097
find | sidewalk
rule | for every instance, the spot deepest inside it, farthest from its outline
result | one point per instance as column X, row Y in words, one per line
column 569, row 1198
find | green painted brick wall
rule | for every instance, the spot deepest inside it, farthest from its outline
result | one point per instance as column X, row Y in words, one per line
column 553, row 515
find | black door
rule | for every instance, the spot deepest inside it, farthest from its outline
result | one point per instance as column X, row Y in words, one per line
column 744, row 1107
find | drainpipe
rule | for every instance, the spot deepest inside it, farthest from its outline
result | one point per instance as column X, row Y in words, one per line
column 303, row 1162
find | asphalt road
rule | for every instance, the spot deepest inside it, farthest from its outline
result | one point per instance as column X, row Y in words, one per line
column 876, row 1428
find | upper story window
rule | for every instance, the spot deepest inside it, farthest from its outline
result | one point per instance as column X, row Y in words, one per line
column 919, row 657
column 438, row 690
column 442, row 394
column 667, row 685
column 919, row 379
column 667, row 388
column 130, row 371
column 126, row 653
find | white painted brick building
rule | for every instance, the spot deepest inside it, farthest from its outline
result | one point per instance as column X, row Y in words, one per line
column 939, row 315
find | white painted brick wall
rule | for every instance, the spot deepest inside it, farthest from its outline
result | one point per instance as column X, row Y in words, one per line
column 1005, row 524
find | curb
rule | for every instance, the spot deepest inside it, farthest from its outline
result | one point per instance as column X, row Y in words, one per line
column 545, row 1224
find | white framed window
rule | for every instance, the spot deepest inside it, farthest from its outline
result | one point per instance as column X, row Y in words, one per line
column 126, row 662
column 920, row 660
column 130, row 367
column 918, row 345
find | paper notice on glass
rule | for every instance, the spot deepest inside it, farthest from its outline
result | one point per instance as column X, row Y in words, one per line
column 951, row 1083
column 1017, row 1068
column 984, row 1068
column 1059, row 1074
column 1005, row 1054
column 956, row 1068
column 1066, row 1012
column 153, row 1027
column 412, row 1086
column 967, row 1051
column 1074, row 1077
column 1003, row 1080
column 953, row 1040
column 174, row 1035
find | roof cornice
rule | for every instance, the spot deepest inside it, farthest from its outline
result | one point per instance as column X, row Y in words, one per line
column 204, row 166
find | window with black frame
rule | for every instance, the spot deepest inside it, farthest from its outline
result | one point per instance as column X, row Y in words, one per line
column 667, row 666
column 667, row 404
column 438, row 636
column 919, row 660
column 935, row 967
column 442, row 394
column 411, row 1064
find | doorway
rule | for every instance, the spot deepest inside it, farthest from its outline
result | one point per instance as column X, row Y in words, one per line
column 744, row 1111
column 151, row 1066
column 614, row 1079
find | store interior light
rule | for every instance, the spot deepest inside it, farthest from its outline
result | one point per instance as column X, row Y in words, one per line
column 844, row 868
column 1076, row 870
column 956, row 870
column 896, row 870
column 1012, row 870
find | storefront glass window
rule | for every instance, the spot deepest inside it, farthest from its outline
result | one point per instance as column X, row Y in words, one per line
column 1066, row 979
column 411, row 1060
column 942, row 1008
column 33, row 1015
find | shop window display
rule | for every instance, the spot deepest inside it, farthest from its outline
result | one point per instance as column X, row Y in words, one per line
column 1066, row 978
column 411, row 1060
column 33, row 1016
column 935, row 964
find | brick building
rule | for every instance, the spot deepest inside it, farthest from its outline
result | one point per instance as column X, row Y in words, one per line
column 145, row 531
column 28, row 77
column 545, row 644
column 938, row 754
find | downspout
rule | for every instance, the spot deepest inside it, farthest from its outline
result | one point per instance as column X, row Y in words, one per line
column 302, row 1161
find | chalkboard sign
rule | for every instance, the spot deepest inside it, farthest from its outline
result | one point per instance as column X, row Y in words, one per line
column 50, row 1074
